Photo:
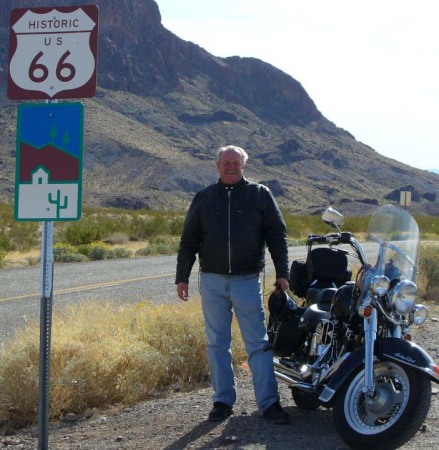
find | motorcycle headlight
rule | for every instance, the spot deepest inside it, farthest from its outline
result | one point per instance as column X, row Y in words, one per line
column 380, row 285
column 404, row 296
column 420, row 314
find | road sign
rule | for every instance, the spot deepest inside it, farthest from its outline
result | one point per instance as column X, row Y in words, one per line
column 53, row 52
column 405, row 198
column 48, row 183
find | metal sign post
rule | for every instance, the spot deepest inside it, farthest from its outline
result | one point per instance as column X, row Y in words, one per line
column 45, row 333
column 52, row 55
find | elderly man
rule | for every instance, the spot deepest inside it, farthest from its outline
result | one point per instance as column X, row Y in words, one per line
column 229, row 224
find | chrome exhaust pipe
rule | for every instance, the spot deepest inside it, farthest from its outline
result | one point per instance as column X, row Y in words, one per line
column 292, row 383
column 300, row 373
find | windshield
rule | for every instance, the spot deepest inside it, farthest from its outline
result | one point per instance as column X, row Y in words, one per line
column 396, row 236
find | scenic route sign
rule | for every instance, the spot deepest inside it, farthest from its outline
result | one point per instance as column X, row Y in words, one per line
column 48, row 182
column 53, row 52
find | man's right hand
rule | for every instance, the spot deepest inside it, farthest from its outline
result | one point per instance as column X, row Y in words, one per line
column 183, row 291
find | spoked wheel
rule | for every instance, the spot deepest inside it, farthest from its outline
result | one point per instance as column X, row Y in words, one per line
column 389, row 419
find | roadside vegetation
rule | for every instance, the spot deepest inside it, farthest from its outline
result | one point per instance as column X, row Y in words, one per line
column 107, row 355
column 110, row 233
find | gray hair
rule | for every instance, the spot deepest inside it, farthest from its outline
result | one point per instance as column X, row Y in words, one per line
column 242, row 152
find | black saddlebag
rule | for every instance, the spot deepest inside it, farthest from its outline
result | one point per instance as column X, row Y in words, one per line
column 286, row 337
column 284, row 326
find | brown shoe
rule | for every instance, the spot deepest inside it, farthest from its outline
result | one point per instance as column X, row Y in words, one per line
column 276, row 414
column 220, row 412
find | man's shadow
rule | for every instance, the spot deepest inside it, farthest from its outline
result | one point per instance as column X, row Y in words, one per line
column 308, row 429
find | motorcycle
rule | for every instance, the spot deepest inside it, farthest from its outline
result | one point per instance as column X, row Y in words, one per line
column 348, row 345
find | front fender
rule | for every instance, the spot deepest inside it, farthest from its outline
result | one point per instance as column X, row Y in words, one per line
column 388, row 349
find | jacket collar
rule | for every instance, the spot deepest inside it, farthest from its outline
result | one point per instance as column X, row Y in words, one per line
column 229, row 187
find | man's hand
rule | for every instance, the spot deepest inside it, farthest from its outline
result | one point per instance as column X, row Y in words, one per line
column 283, row 283
column 183, row 291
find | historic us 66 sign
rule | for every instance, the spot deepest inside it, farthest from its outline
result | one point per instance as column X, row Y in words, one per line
column 53, row 52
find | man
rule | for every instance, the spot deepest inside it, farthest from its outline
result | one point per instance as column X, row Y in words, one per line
column 228, row 224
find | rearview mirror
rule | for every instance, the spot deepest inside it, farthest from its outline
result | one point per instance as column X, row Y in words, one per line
column 332, row 217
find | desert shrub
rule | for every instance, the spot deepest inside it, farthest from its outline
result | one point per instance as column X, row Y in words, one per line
column 106, row 355
column 25, row 235
column 158, row 249
column 6, row 243
column 428, row 225
column 96, row 251
column 64, row 253
column 117, row 238
column 80, row 233
column 176, row 226
column 120, row 253
column 2, row 258
column 144, row 251
column 144, row 228
column 428, row 280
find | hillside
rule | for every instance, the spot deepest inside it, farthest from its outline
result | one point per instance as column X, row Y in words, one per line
column 164, row 105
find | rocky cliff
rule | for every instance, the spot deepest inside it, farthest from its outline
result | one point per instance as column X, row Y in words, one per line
column 164, row 105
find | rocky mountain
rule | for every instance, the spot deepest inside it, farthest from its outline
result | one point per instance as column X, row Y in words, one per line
column 164, row 105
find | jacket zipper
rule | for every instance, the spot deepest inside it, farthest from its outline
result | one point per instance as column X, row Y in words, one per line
column 229, row 193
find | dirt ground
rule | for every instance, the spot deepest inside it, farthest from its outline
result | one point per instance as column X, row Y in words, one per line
column 177, row 421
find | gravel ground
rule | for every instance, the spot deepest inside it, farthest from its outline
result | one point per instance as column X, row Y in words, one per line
column 176, row 420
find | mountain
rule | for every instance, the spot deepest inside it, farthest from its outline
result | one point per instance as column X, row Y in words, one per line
column 164, row 105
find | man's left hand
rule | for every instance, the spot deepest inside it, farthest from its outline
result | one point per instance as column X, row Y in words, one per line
column 283, row 283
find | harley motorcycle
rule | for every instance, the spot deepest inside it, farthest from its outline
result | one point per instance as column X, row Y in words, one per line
column 347, row 345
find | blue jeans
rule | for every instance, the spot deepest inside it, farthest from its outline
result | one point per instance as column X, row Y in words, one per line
column 221, row 296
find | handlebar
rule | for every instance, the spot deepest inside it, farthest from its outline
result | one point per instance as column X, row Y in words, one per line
column 332, row 239
column 345, row 237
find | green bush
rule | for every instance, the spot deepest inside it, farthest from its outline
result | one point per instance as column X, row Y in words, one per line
column 428, row 280
column 80, row 233
column 120, row 253
column 67, row 253
column 6, row 244
column 96, row 251
column 144, row 228
column 25, row 235
column 176, row 226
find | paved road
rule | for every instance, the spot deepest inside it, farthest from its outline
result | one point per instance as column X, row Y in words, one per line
column 121, row 281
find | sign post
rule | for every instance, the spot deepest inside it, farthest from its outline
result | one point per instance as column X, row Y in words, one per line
column 45, row 333
column 52, row 55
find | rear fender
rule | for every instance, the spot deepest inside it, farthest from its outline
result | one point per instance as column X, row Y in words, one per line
column 388, row 349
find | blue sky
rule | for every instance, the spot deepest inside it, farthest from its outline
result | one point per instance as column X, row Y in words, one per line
column 371, row 67
column 37, row 123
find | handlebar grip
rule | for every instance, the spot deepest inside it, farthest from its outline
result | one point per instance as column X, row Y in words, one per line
column 318, row 238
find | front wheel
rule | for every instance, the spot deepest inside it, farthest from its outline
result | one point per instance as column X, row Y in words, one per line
column 390, row 419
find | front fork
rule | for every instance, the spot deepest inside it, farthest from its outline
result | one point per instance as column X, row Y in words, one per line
column 370, row 331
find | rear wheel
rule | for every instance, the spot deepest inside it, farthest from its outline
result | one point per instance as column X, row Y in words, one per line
column 392, row 417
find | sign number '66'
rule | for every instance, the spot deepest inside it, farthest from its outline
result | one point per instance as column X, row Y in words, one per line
column 53, row 52
column 39, row 73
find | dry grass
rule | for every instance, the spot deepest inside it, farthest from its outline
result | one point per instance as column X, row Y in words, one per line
column 103, row 355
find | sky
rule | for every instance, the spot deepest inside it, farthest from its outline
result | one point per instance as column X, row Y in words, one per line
column 371, row 67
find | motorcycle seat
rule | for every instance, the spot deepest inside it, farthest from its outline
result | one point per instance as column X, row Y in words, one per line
column 322, row 297
column 312, row 316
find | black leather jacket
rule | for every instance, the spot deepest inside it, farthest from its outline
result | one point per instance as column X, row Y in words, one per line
column 228, row 226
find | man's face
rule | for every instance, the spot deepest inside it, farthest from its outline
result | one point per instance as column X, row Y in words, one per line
column 230, row 167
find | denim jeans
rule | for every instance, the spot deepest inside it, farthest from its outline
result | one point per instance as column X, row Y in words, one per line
column 221, row 296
